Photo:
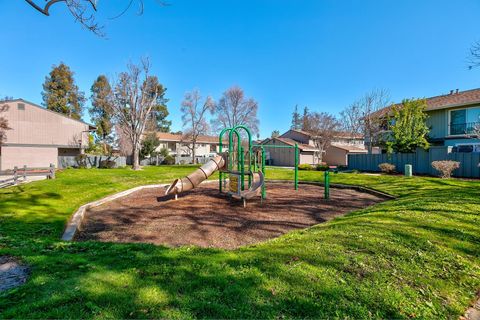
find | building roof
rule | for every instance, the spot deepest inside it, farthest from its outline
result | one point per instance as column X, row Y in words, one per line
column 339, row 134
column 291, row 142
column 90, row 127
column 167, row 136
column 450, row 100
column 349, row 148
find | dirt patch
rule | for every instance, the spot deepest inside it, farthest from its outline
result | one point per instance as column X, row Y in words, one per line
column 205, row 218
column 12, row 273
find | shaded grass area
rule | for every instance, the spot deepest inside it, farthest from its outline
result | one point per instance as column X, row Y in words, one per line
column 415, row 256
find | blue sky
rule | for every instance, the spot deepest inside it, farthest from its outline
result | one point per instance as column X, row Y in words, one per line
column 323, row 54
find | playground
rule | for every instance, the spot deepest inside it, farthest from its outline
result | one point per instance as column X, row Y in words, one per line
column 205, row 218
column 241, row 209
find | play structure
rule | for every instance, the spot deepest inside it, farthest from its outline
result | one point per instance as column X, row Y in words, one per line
column 242, row 164
column 241, row 168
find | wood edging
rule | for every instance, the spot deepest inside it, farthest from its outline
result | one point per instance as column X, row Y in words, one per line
column 75, row 222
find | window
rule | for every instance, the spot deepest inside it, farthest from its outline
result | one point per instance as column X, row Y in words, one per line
column 464, row 121
column 21, row 106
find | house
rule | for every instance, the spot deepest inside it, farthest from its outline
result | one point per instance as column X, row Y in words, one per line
column 39, row 136
column 342, row 144
column 285, row 157
column 337, row 155
column 178, row 146
column 452, row 119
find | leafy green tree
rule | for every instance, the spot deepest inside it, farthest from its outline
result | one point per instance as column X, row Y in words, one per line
column 3, row 123
column 149, row 144
column 93, row 147
column 164, row 152
column 275, row 134
column 101, row 111
column 61, row 94
column 408, row 126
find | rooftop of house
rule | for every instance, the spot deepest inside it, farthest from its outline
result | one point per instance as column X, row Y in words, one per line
column 350, row 148
column 176, row 137
column 90, row 127
column 453, row 99
column 290, row 142
column 339, row 134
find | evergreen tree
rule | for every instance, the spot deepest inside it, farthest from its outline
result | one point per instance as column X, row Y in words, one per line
column 296, row 119
column 275, row 134
column 158, row 116
column 61, row 94
column 305, row 119
column 102, row 109
column 408, row 127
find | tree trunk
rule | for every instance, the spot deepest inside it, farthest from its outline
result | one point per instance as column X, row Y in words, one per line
column 136, row 160
column 194, row 144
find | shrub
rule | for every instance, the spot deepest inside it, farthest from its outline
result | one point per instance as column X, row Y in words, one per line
column 322, row 167
column 305, row 166
column 81, row 160
column 387, row 167
column 107, row 164
column 445, row 167
column 168, row 160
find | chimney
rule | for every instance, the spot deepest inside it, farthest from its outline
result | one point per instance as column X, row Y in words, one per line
column 456, row 91
column 451, row 91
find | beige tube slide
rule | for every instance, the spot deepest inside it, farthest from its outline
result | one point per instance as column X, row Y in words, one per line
column 195, row 178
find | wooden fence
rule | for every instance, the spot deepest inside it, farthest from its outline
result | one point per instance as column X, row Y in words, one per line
column 21, row 174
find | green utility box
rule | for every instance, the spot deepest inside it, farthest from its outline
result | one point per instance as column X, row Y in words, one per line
column 408, row 170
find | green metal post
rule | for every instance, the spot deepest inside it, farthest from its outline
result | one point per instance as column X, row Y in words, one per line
column 242, row 169
column 327, row 184
column 296, row 167
column 264, row 191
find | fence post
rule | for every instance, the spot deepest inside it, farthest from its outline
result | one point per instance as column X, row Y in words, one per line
column 295, row 174
column 52, row 171
column 24, row 172
column 327, row 184
column 15, row 175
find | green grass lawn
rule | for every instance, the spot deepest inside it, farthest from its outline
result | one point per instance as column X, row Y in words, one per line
column 415, row 256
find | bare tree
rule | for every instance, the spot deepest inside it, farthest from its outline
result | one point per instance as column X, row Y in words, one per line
column 372, row 121
column 363, row 116
column 84, row 11
column 194, row 112
column 351, row 119
column 323, row 127
column 3, row 123
column 134, row 97
column 81, row 10
column 474, row 56
column 234, row 108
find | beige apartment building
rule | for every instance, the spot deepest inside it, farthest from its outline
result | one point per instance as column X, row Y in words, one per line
column 39, row 136
column 178, row 146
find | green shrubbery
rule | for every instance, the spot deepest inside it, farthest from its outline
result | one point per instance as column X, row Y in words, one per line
column 322, row 167
column 305, row 166
column 318, row 167
column 169, row 160
column 107, row 164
